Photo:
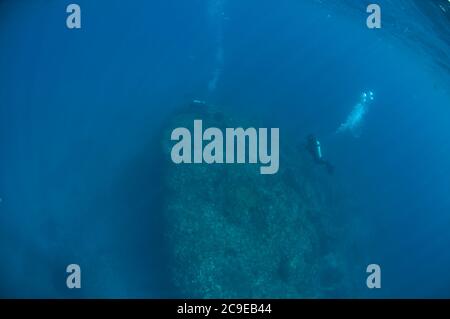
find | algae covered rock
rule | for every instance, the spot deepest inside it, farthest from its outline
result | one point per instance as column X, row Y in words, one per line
column 233, row 232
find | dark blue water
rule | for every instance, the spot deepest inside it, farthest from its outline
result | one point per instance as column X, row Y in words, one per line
column 81, row 113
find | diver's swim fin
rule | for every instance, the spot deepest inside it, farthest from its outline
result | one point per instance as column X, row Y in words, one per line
column 330, row 168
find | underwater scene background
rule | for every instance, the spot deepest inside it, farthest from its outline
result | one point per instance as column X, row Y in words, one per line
column 86, row 176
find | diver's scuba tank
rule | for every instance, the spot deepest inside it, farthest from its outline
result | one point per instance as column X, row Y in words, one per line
column 313, row 147
column 318, row 149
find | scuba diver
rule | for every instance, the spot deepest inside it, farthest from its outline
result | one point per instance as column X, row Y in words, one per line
column 313, row 147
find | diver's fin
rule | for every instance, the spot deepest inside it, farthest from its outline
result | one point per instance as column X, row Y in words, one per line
column 330, row 168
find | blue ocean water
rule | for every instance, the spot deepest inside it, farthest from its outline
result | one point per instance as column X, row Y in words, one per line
column 81, row 113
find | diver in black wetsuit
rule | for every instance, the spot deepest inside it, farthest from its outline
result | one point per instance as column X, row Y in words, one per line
column 313, row 147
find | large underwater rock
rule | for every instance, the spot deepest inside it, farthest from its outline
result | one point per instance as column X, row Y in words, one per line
column 233, row 232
